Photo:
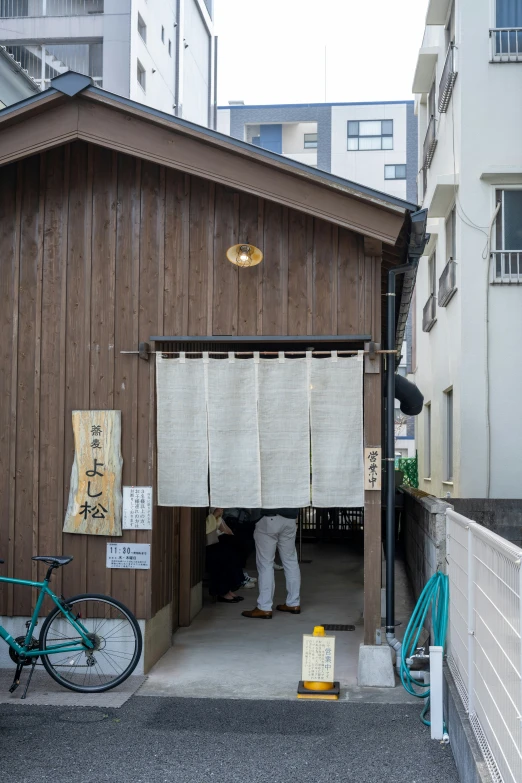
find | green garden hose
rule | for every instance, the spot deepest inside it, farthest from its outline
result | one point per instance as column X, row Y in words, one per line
column 435, row 596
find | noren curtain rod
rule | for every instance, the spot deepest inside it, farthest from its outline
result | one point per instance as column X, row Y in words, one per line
column 309, row 339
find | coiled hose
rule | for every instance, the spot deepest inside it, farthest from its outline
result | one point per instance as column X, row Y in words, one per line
column 435, row 596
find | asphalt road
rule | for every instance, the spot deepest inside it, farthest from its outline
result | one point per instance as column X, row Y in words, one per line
column 204, row 740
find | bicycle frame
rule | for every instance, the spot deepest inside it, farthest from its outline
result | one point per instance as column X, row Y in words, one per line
column 55, row 648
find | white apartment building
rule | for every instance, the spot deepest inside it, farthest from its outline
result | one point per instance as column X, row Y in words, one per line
column 468, row 312
column 158, row 52
column 374, row 144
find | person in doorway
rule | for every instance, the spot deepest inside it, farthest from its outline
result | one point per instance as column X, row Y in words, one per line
column 276, row 531
column 222, row 564
column 240, row 522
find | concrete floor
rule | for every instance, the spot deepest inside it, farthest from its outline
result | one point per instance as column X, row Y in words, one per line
column 224, row 655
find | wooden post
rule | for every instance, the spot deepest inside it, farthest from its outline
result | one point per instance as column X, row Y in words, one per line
column 185, row 560
column 372, row 438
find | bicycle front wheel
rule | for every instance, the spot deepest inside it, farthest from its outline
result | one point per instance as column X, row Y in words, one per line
column 117, row 644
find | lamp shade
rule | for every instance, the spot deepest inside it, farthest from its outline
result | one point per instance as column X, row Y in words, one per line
column 244, row 255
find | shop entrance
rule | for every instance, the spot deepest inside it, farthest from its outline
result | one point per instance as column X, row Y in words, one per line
column 220, row 654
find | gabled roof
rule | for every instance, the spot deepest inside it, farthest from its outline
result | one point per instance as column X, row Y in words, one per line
column 73, row 108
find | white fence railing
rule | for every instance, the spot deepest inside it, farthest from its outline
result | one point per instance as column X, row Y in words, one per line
column 506, row 266
column 484, row 644
column 506, row 45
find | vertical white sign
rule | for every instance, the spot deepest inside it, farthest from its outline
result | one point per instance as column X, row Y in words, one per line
column 137, row 508
column 318, row 658
column 372, row 468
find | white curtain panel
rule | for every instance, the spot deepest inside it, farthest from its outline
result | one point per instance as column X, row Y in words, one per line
column 336, row 418
column 284, row 433
column 181, row 433
column 235, row 471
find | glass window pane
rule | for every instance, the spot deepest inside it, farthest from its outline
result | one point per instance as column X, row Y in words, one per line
column 372, row 128
column 387, row 142
column 366, row 143
column 389, row 172
column 353, row 144
column 509, row 13
column 353, row 128
column 512, row 220
column 387, row 127
column 400, row 172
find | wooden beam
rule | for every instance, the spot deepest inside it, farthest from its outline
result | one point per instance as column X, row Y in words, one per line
column 372, row 498
column 185, row 546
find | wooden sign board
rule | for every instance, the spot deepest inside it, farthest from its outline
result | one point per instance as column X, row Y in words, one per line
column 318, row 658
column 95, row 500
column 373, row 468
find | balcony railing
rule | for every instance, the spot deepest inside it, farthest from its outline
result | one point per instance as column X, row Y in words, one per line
column 447, row 283
column 507, row 266
column 506, row 45
column 430, row 143
column 429, row 314
column 43, row 63
column 449, row 74
column 30, row 8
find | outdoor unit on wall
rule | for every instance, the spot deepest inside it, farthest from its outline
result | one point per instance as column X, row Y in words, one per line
column 429, row 314
column 447, row 283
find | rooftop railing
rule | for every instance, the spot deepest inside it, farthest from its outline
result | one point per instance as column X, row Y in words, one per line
column 506, row 44
column 449, row 75
column 30, row 8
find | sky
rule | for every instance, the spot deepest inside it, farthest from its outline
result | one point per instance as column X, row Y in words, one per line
column 273, row 51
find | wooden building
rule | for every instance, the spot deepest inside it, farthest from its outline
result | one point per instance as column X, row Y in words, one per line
column 114, row 225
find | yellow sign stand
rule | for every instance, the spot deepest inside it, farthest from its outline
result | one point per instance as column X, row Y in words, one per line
column 318, row 667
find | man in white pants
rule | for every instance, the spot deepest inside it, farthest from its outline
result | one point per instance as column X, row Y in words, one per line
column 276, row 531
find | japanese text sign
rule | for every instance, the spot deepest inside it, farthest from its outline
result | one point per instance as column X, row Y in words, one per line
column 372, row 468
column 128, row 556
column 95, row 500
column 137, row 508
column 318, row 658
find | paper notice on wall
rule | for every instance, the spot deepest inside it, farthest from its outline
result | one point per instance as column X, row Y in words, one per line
column 137, row 508
column 128, row 556
column 318, row 658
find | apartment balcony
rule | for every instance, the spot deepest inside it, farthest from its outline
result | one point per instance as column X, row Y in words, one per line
column 449, row 75
column 16, row 9
column 506, row 45
column 447, row 283
column 506, row 267
column 429, row 314
column 43, row 63
column 430, row 143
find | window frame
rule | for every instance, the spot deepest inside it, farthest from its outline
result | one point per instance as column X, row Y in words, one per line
column 142, row 27
column 309, row 145
column 427, row 440
column 395, row 166
column 451, row 221
column 358, row 136
column 500, row 228
column 162, row 34
column 141, row 72
column 449, row 466
column 432, row 273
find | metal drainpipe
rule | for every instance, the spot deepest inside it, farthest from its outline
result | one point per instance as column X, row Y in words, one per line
column 390, row 463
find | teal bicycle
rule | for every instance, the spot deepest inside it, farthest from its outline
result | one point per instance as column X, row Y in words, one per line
column 89, row 643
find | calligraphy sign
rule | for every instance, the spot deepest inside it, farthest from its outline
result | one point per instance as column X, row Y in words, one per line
column 372, row 468
column 137, row 508
column 318, row 658
column 95, row 499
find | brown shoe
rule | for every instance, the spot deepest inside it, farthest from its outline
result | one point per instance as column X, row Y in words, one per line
column 258, row 613
column 289, row 609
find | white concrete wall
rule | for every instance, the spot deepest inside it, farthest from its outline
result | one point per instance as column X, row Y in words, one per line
column 293, row 136
column 196, row 65
column 153, row 54
column 223, row 121
column 483, row 126
column 367, row 166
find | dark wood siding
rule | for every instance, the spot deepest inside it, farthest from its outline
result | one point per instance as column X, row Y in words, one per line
column 99, row 251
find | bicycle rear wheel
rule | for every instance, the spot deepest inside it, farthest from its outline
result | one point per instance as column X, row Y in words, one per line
column 117, row 644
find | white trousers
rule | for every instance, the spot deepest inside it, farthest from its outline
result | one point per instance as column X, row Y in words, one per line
column 273, row 533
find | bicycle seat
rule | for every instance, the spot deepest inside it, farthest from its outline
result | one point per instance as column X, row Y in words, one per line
column 52, row 560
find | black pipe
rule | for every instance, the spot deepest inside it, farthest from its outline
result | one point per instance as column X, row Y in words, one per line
column 409, row 396
column 390, row 449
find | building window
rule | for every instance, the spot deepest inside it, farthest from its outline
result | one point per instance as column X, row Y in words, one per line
column 451, row 234
column 395, row 172
column 448, row 467
column 370, row 135
column 508, row 237
column 509, row 13
column 142, row 28
column 432, row 274
column 170, row 47
column 310, row 141
column 141, row 75
column 162, row 34
column 427, row 440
